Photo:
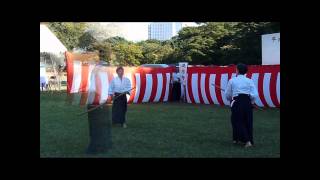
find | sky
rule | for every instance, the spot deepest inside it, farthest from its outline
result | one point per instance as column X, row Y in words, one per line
column 138, row 31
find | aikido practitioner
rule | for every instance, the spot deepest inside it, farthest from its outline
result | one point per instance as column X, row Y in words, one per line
column 241, row 92
column 118, row 86
column 176, row 86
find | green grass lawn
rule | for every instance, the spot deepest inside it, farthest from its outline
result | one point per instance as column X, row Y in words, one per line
column 156, row 130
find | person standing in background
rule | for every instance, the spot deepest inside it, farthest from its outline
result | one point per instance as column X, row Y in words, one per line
column 118, row 86
column 176, row 88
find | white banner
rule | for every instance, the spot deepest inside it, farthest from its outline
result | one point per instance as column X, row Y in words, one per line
column 271, row 49
column 183, row 67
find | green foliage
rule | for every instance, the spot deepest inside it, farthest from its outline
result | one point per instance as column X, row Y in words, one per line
column 218, row 43
column 154, row 52
column 115, row 40
column 87, row 41
column 68, row 33
column 223, row 43
column 105, row 51
column 193, row 43
column 127, row 54
column 243, row 44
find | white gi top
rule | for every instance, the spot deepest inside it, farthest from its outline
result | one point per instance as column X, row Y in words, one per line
column 241, row 85
column 119, row 86
column 176, row 77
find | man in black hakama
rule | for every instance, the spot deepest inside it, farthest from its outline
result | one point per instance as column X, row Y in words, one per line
column 119, row 88
column 99, row 130
column 241, row 92
column 176, row 86
column 119, row 109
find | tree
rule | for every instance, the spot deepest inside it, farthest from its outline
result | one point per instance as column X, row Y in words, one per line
column 218, row 43
column 244, row 44
column 154, row 51
column 87, row 41
column 105, row 51
column 193, row 43
column 127, row 54
column 115, row 40
column 68, row 33
column 102, row 32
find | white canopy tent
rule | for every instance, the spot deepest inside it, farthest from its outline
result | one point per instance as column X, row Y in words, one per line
column 49, row 42
column 51, row 52
column 51, row 45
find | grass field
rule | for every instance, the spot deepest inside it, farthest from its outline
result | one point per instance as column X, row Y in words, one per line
column 156, row 130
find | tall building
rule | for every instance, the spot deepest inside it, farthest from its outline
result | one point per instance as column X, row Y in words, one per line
column 163, row 31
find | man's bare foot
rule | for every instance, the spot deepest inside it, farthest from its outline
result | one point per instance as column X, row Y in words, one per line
column 124, row 125
column 248, row 144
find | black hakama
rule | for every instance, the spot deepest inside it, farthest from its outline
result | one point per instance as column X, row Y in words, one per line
column 242, row 119
column 99, row 130
column 119, row 109
column 176, row 91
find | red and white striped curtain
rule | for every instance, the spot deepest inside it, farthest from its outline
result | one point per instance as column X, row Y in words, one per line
column 199, row 89
column 152, row 84
column 88, row 83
